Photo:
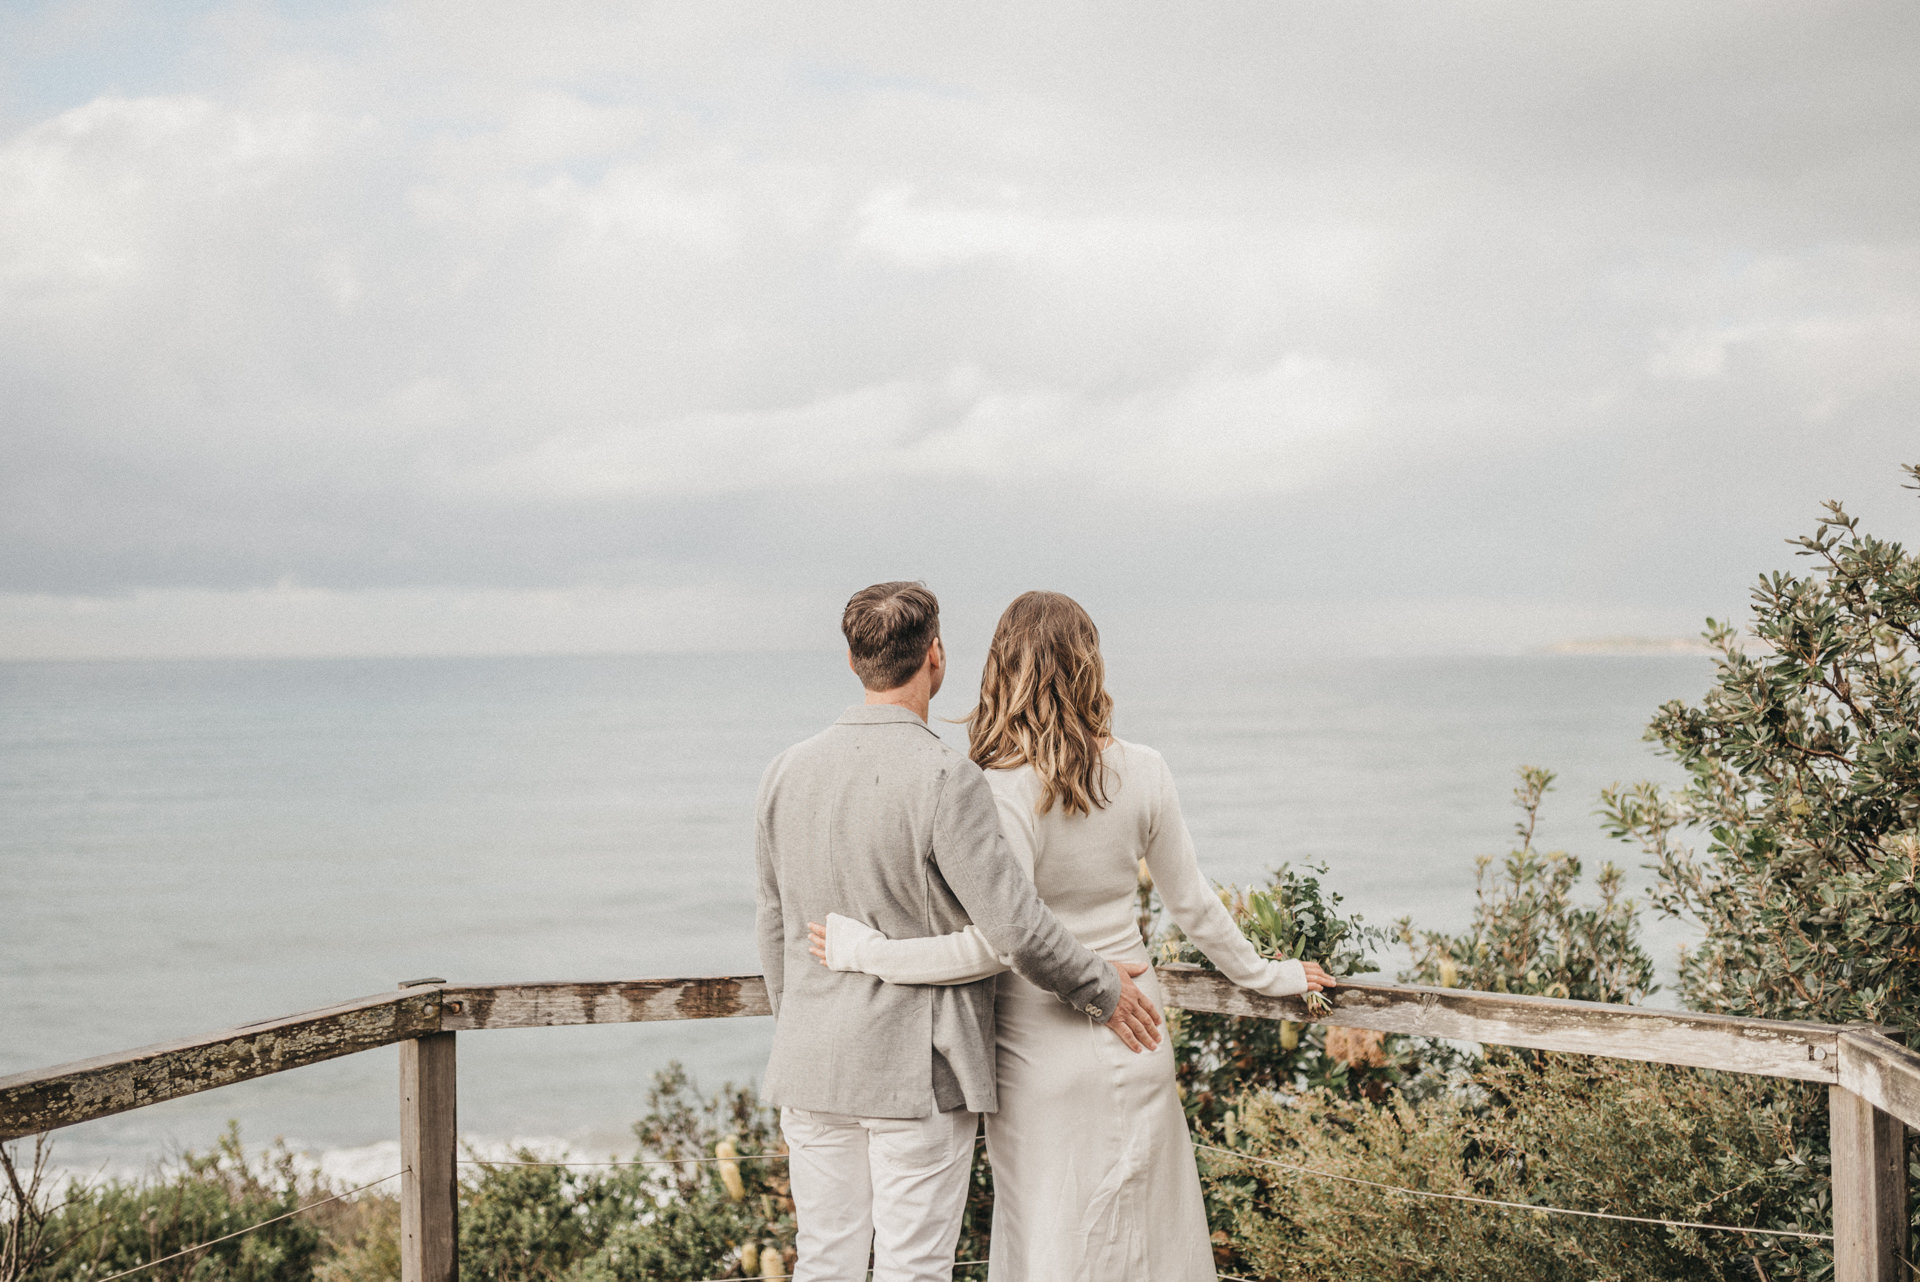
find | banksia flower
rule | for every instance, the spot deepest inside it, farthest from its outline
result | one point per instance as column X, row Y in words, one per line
column 727, row 1151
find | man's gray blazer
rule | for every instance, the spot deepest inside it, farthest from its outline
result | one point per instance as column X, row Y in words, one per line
column 876, row 819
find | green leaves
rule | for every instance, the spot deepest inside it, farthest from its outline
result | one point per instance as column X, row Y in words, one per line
column 1294, row 917
column 1803, row 765
column 105, row 1228
column 1220, row 1056
column 661, row 1223
column 1528, row 935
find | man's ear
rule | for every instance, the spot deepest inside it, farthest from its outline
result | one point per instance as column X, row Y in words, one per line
column 937, row 655
column 850, row 667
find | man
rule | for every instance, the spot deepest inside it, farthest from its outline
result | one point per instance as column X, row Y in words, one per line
column 880, row 1086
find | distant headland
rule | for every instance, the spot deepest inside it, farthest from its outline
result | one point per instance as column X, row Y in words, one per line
column 1628, row 645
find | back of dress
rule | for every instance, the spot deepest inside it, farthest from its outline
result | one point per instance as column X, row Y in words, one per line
column 1086, row 867
column 1093, row 1171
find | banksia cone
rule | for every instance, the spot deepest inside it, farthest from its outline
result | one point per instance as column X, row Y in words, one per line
column 727, row 1151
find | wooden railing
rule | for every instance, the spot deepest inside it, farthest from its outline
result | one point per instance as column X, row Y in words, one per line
column 1873, row 1082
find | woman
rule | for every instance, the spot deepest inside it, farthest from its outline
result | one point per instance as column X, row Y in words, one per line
column 1093, row 1169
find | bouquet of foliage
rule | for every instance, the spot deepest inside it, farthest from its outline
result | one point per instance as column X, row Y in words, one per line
column 1291, row 917
column 1219, row 1056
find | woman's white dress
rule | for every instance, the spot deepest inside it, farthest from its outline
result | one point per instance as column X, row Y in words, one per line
column 1093, row 1168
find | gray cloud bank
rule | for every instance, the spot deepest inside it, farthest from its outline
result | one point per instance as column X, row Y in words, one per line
column 436, row 326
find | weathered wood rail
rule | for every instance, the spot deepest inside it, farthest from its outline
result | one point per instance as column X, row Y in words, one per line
column 1873, row 1081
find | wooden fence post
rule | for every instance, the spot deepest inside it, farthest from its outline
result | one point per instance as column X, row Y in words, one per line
column 429, row 1144
column 1869, row 1191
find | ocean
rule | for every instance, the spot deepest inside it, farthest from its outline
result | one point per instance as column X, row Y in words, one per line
column 185, row 846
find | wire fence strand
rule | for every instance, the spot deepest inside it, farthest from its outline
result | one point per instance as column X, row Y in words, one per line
column 638, row 1161
column 642, row 1161
column 285, row 1215
column 1516, row 1206
column 958, row 1264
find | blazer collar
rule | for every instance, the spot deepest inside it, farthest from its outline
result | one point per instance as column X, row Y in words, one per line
column 880, row 714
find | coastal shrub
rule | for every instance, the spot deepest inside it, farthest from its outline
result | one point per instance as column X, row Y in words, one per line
column 1794, row 845
column 521, row 1220
column 684, row 1217
column 90, row 1231
column 1521, row 1126
column 1587, row 1134
column 33, row 1231
column 1802, row 794
column 1219, row 1057
column 1528, row 934
column 360, row 1238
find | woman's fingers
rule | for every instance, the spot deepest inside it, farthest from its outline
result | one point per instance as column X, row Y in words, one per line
column 817, row 941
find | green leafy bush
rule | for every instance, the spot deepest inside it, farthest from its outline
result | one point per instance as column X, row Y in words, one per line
column 1560, row 1131
column 94, row 1230
column 1219, row 1057
column 1794, row 845
column 1803, row 788
column 641, row 1223
column 1521, row 1126
column 1803, row 779
column 1528, row 934
column 668, row 1220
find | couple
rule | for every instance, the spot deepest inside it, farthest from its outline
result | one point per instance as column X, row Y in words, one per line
column 945, row 938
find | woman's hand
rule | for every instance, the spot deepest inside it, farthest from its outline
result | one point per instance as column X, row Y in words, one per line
column 1317, row 978
column 817, row 941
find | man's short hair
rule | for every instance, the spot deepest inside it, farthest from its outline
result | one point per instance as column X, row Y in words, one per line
column 889, row 628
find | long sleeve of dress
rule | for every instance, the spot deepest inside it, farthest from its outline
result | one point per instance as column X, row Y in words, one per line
column 1194, row 905
column 957, row 958
column 960, row 957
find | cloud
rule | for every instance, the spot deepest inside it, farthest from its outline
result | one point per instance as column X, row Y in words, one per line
column 1221, row 432
column 1422, row 303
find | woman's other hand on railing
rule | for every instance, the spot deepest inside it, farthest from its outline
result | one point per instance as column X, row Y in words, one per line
column 1317, row 978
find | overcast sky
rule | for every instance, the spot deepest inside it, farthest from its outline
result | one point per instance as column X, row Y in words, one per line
column 470, row 327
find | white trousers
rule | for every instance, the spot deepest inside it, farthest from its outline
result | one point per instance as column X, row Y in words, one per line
column 894, row 1186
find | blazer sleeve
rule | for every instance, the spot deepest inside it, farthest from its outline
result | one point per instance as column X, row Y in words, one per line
column 1193, row 903
column 769, row 923
column 972, row 853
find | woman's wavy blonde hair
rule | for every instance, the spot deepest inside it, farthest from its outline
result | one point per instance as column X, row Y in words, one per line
column 1044, row 701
